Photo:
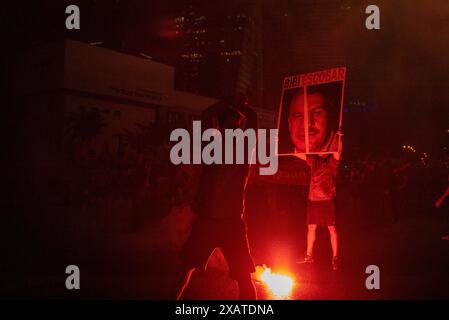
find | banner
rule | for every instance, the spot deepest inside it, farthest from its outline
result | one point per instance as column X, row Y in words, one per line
column 310, row 112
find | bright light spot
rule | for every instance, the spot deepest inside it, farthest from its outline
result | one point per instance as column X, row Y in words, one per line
column 280, row 285
column 410, row 148
column 146, row 56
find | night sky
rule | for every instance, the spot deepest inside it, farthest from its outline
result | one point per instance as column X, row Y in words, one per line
column 401, row 70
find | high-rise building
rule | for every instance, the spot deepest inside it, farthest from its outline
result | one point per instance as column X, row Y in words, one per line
column 299, row 37
column 218, row 48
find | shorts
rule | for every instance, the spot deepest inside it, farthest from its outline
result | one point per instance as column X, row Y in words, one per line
column 321, row 213
column 227, row 234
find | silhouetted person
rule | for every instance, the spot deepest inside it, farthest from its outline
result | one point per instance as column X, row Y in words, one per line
column 219, row 205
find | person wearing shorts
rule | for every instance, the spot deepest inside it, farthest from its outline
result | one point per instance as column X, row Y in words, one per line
column 325, row 150
column 320, row 204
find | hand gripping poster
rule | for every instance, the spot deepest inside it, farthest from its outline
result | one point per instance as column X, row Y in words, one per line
column 310, row 112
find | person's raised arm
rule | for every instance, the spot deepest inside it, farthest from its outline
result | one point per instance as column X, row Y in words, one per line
column 337, row 155
column 240, row 103
column 250, row 115
column 208, row 115
column 440, row 200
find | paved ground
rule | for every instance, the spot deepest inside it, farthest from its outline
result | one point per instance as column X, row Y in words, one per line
column 413, row 262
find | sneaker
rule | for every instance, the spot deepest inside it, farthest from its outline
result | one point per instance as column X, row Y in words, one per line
column 306, row 259
column 334, row 263
column 445, row 237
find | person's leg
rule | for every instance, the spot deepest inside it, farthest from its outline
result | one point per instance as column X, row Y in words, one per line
column 194, row 254
column 311, row 236
column 180, row 282
column 235, row 248
column 334, row 240
column 247, row 291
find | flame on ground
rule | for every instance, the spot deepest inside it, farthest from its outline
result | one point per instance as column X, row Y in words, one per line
column 280, row 285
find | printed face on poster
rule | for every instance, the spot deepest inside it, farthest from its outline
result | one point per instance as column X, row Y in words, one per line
column 310, row 112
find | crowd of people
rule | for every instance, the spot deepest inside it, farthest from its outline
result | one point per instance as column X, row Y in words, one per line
column 111, row 194
column 384, row 189
column 372, row 189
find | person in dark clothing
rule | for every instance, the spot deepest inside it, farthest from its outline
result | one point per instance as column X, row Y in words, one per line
column 220, row 206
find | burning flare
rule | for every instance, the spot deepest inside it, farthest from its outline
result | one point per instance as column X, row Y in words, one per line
column 280, row 285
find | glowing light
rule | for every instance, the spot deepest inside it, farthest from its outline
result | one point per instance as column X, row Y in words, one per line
column 280, row 285
column 170, row 29
column 409, row 148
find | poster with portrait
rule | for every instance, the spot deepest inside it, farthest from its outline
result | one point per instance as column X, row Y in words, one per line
column 310, row 112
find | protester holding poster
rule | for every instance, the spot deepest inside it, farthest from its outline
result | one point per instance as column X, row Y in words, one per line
column 310, row 115
column 309, row 128
column 320, row 205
